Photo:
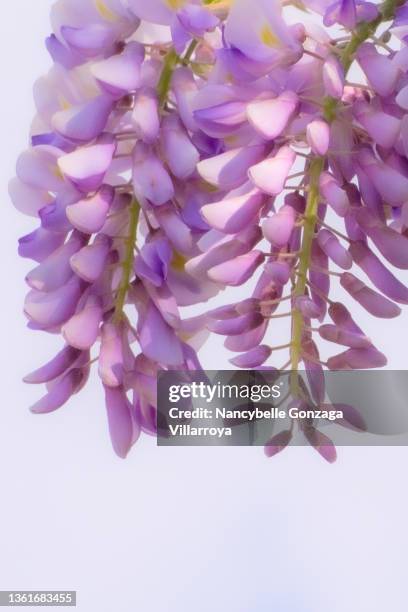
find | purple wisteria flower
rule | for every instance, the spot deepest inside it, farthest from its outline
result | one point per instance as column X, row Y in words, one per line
column 182, row 147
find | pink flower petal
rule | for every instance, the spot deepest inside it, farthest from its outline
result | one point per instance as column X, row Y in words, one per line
column 180, row 153
column 270, row 117
column 318, row 136
column 87, row 166
column 151, row 181
column 270, row 175
column 252, row 358
column 60, row 392
column 84, row 122
column 369, row 299
column 55, row 271
column 120, row 420
column 278, row 228
column 278, row 443
column 158, row 340
column 55, row 307
column 111, row 356
column 238, row 270
column 81, row 331
column 89, row 215
column 120, row 74
column 233, row 215
column 54, row 368
column 89, row 262
column 145, row 116
column 229, row 170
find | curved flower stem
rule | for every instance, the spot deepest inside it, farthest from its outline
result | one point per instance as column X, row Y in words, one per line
column 310, row 216
column 189, row 53
column 163, row 87
column 360, row 35
column 127, row 263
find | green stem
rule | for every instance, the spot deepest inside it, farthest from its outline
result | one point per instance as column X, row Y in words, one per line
column 127, row 263
column 163, row 87
column 310, row 219
column 189, row 53
column 361, row 34
column 170, row 64
column 366, row 30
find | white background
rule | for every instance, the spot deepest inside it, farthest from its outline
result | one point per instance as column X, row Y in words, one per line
column 174, row 530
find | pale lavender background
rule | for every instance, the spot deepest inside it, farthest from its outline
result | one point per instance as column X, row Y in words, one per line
column 175, row 530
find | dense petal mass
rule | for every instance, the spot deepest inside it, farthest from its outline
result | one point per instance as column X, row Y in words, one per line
column 230, row 156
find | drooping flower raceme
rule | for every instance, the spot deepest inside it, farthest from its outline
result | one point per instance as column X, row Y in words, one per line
column 181, row 147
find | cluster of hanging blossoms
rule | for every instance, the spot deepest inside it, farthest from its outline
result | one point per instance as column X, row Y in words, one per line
column 184, row 146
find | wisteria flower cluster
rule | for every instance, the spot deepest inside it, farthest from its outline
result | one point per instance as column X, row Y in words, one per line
column 184, row 146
